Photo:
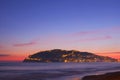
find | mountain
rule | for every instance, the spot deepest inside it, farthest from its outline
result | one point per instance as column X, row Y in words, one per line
column 58, row 55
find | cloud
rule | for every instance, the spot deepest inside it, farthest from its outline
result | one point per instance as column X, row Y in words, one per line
column 85, row 33
column 95, row 38
column 25, row 44
column 115, row 29
column 3, row 55
column 82, row 33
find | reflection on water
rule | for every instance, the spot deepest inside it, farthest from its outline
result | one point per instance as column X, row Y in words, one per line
column 53, row 71
column 76, row 79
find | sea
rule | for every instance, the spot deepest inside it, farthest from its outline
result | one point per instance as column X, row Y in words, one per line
column 54, row 71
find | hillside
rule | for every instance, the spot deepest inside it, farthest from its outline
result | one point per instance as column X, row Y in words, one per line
column 58, row 55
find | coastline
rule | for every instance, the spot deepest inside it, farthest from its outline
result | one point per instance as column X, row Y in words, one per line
column 106, row 76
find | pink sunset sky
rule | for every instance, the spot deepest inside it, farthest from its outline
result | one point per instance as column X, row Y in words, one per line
column 91, row 41
column 30, row 26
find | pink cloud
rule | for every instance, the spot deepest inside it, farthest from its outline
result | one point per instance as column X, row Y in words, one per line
column 82, row 33
column 25, row 44
column 85, row 33
column 115, row 28
column 3, row 55
column 95, row 38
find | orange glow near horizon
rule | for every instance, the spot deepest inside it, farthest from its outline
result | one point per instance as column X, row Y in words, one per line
column 20, row 53
column 12, row 58
column 113, row 55
column 23, row 56
column 15, row 55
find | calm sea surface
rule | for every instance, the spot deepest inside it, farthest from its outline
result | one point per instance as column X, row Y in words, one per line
column 53, row 71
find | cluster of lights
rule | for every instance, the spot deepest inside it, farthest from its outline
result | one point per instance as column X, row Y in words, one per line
column 36, row 59
column 71, row 57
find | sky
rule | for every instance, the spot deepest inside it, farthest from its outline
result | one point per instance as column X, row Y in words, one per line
column 30, row 26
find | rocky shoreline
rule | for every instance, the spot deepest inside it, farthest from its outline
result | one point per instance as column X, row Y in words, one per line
column 107, row 76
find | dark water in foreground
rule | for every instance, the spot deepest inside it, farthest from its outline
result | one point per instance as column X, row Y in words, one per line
column 53, row 71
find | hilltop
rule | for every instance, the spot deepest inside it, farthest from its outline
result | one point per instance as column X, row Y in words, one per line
column 58, row 55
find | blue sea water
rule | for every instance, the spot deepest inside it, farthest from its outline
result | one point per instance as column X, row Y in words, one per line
column 53, row 71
